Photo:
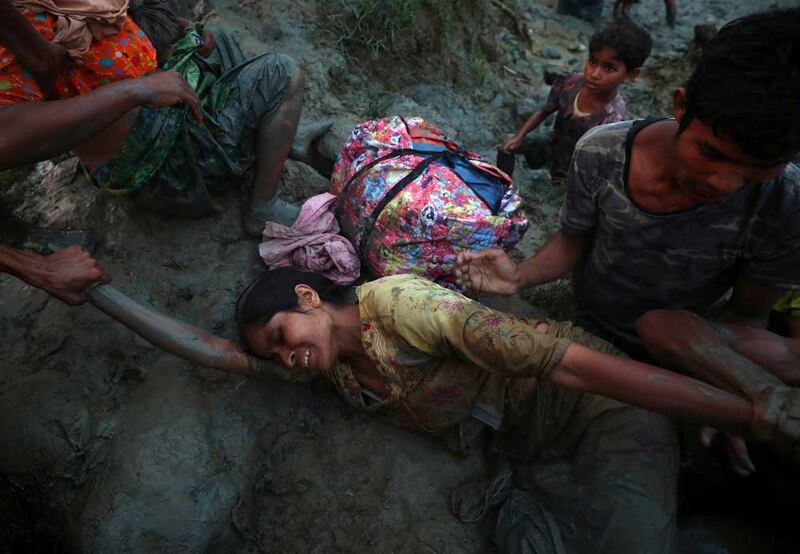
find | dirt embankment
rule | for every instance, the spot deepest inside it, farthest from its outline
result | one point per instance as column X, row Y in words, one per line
column 109, row 445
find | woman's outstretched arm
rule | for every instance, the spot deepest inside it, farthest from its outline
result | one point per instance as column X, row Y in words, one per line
column 770, row 418
column 186, row 341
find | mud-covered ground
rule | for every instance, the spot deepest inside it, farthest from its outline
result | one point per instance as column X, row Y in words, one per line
column 109, row 445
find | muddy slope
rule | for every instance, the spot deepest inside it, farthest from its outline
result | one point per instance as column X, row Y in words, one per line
column 109, row 445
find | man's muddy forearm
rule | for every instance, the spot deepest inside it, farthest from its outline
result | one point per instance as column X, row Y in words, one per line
column 35, row 131
column 555, row 259
column 688, row 342
column 19, row 263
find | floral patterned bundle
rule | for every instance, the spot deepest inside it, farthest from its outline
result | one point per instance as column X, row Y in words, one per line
column 407, row 210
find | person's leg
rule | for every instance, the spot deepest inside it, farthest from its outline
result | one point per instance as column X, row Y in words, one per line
column 672, row 11
column 610, row 481
column 605, row 470
column 730, row 356
column 273, row 142
column 263, row 98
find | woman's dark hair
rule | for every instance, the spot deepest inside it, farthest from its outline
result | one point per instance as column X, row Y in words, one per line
column 158, row 20
column 273, row 292
column 631, row 42
column 746, row 85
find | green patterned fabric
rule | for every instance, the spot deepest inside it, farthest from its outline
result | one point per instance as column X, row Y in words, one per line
column 172, row 163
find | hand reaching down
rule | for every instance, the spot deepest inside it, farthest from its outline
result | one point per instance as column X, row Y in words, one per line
column 487, row 271
column 168, row 88
column 67, row 274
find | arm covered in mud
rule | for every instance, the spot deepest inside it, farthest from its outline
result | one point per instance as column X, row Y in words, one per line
column 182, row 339
column 36, row 131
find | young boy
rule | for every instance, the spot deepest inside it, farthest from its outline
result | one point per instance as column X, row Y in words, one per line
column 582, row 100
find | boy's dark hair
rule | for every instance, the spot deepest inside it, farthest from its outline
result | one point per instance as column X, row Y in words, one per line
column 159, row 21
column 631, row 42
column 746, row 85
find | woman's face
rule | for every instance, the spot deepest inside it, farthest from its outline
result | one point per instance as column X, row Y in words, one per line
column 303, row 340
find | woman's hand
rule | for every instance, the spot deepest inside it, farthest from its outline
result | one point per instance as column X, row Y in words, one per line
column 209, row 43
column 735, row 449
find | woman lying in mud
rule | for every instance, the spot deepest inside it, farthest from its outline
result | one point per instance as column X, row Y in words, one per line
column 429, row 358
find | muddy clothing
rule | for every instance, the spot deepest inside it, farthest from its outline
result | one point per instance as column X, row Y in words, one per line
column 445, row 358
column 640, row 261
column 174, row 163
column 571, row 126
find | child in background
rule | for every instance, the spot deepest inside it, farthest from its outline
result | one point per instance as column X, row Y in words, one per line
column 582, row 100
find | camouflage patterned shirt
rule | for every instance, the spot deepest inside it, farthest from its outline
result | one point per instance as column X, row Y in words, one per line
column 690, row 259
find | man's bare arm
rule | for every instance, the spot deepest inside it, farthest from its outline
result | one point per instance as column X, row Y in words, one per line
column 492, row 271
column 735, row 352
column 34, row 131
column 65, row 275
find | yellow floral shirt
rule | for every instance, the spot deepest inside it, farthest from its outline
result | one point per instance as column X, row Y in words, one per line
column 443, row 356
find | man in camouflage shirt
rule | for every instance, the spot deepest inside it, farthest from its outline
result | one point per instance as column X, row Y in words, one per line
column 669, row 224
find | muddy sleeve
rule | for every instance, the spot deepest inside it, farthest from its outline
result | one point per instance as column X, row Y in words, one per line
column 445, row 324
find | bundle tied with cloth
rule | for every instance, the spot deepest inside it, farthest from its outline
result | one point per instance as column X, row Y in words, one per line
column 80, row 21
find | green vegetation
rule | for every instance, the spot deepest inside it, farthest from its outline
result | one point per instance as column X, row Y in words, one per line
column 395, row 36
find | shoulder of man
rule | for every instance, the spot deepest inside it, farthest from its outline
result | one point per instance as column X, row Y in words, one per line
column 781, row 195
column 603, row 145
column 790, row 180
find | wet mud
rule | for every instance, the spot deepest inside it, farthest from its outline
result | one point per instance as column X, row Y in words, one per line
column 109, row 445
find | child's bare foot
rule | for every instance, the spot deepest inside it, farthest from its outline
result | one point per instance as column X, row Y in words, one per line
column 276, row 210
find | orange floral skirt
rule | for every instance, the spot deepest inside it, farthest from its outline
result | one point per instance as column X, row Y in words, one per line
column 126, row 55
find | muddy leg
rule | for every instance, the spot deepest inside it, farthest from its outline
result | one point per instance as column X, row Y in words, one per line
column 672, row 11
column 272, row 148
